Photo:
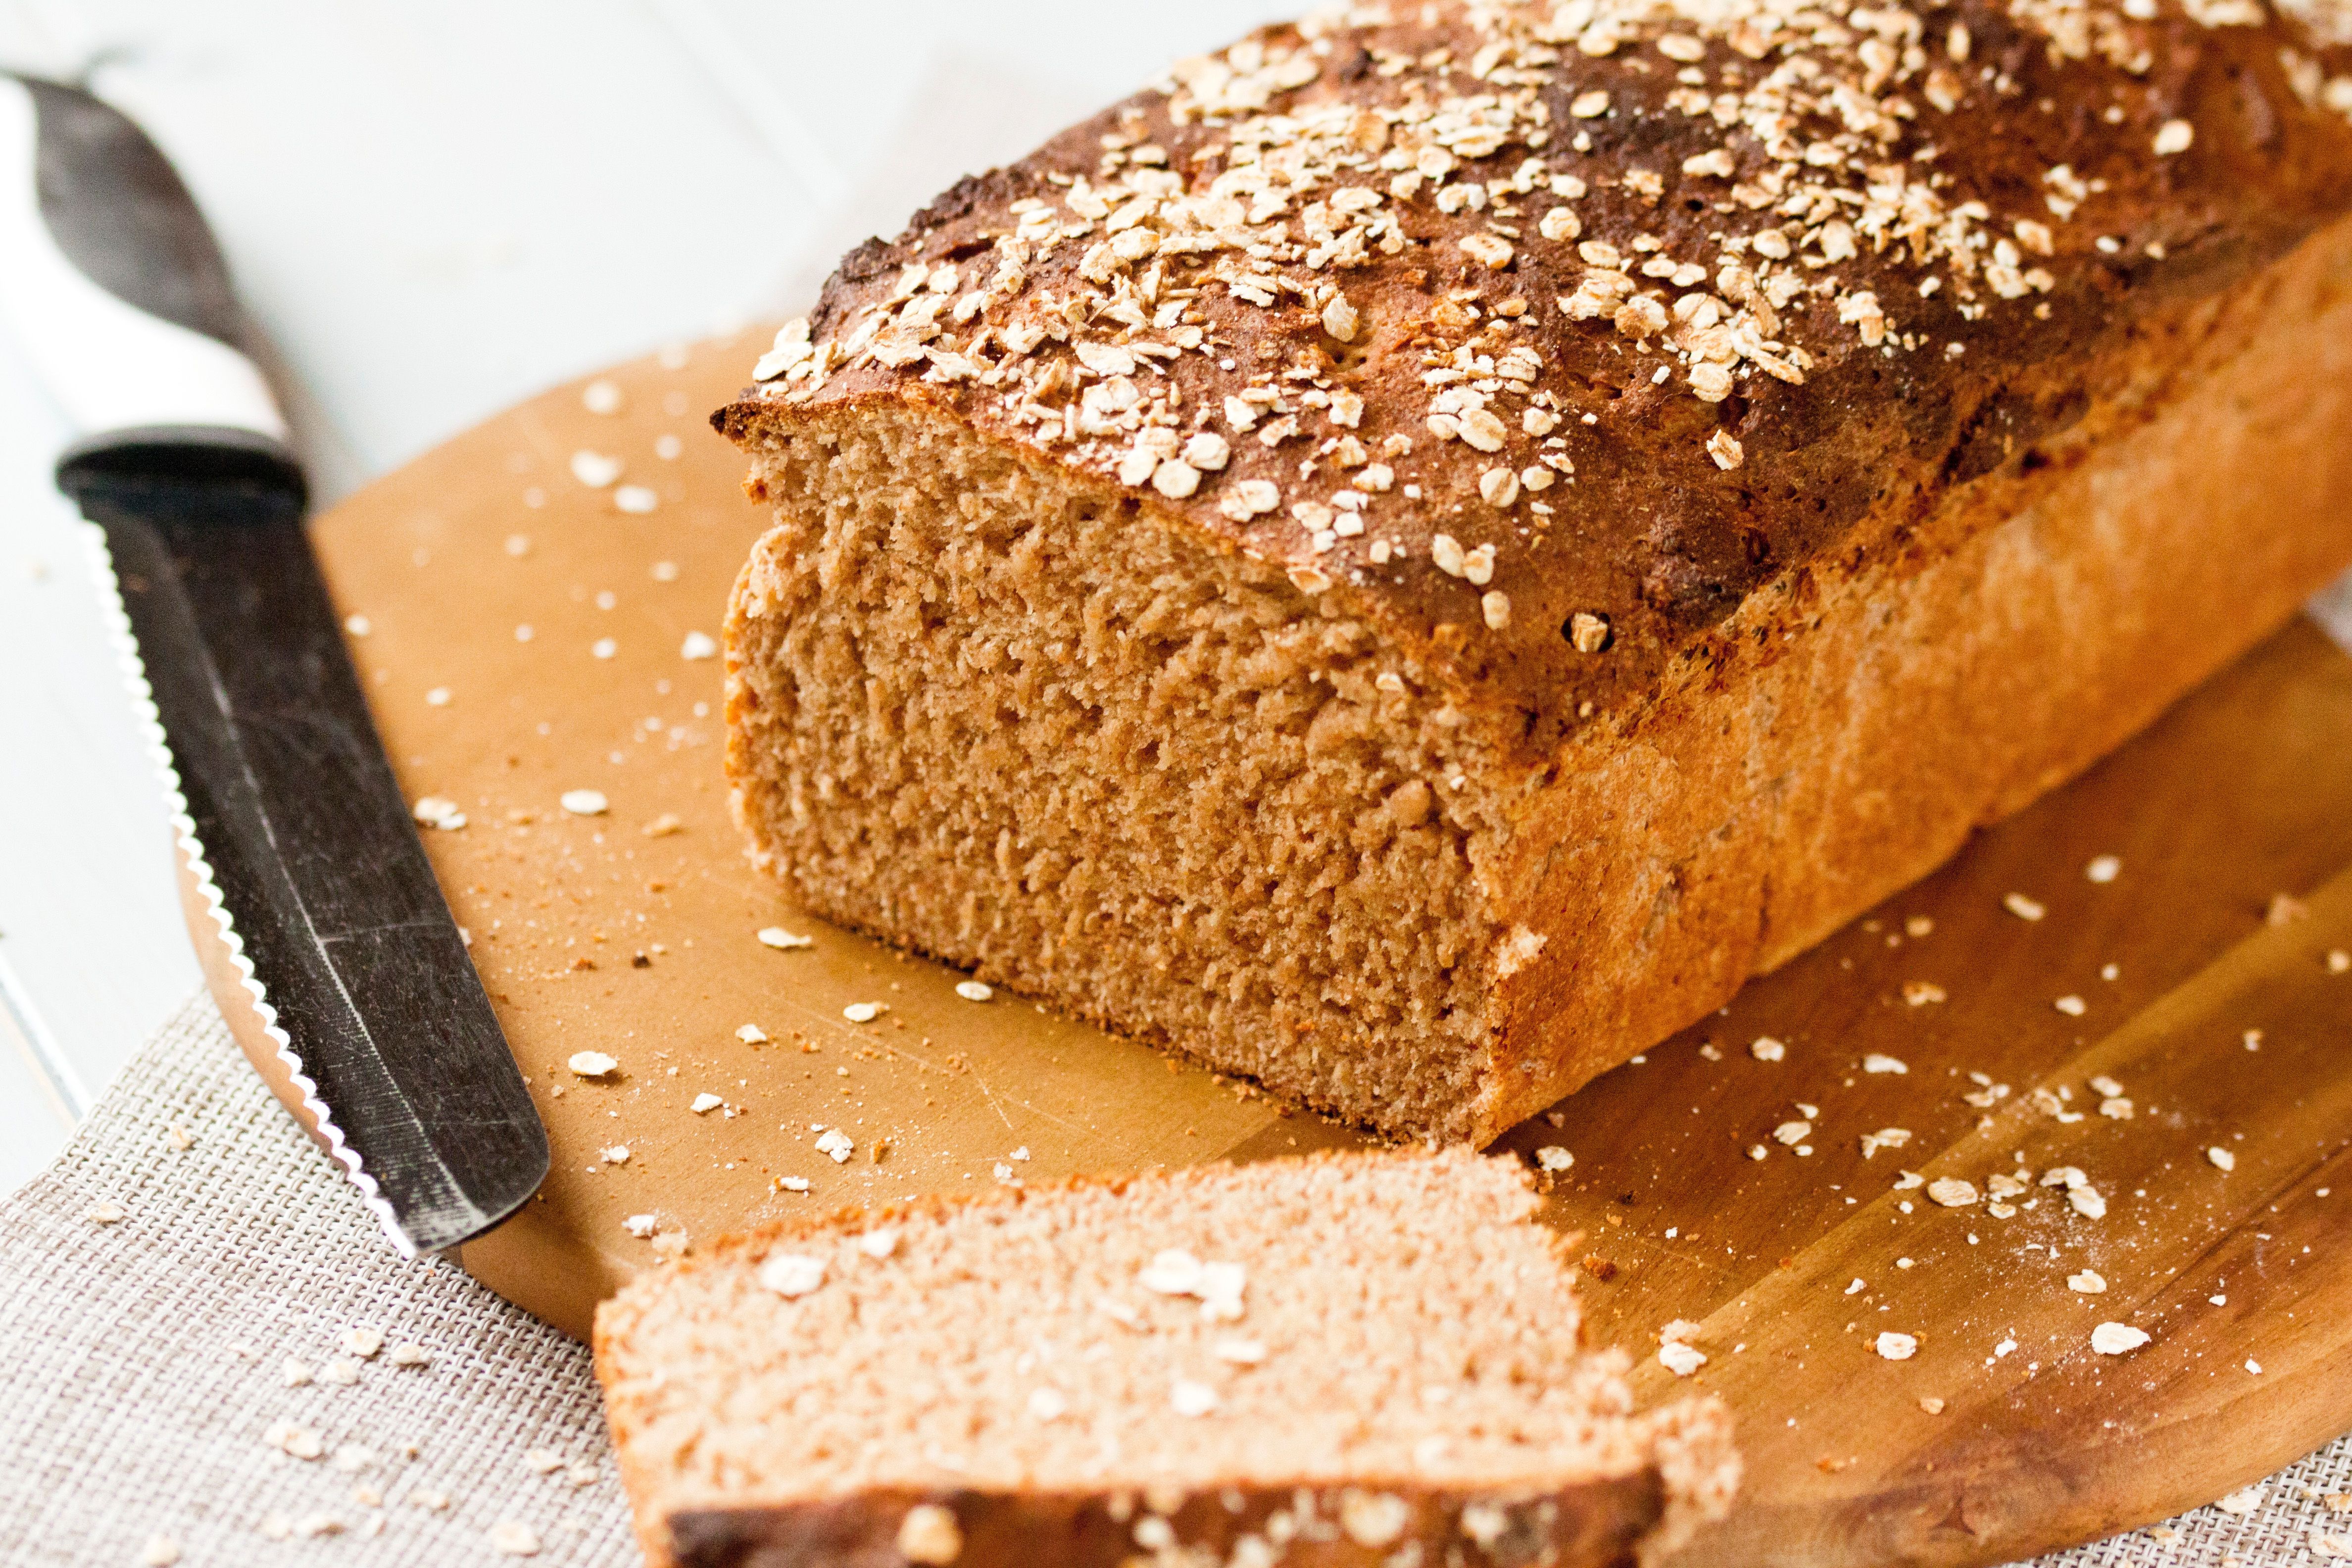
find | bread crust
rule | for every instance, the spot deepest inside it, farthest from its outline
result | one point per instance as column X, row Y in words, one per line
column 1599, row 1524
column 1840, row 468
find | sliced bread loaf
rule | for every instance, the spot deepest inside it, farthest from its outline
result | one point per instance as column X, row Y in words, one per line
column 1356, row 1359
column 1409, row 560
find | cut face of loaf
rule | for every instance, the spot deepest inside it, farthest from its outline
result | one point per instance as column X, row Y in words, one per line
column 1411, row 560
column 1302, row 1362
column 987, row 710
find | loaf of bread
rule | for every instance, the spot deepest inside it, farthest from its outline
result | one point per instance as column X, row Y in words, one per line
column 1409, row 560
column 1367, row 1359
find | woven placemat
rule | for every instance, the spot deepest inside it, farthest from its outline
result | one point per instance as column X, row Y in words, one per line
column 151, row 1363
column 169, row 1373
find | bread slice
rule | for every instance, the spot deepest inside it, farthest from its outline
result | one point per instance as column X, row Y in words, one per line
column 1411, row 559
column 1358, row 1359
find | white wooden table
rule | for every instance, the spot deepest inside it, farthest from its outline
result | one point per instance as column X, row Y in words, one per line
column 433, row 208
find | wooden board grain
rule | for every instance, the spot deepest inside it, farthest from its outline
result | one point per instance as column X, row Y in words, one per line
column 2226, row 1030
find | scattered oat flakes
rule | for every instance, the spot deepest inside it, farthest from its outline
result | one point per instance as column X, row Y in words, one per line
column 1898, row 1347
column 862, row 1012
column 2222, row 1159
column 362, row 1342
column 438, row 812
column 178, row 1138
column 1931, row 1404
column 705, row 1103
column 783, row 940
column 1920, row 993
column 592, row 1064
column 2242, row 1501
column 295, row 1374
column 350, row 1459
column 103, row 1212
column 640, row 1226
column 1792, row 1132
column 1951, row 1193
column 1552, row 1157
column 2089, row 1282
column 792, row 1274
column 585, row 802
column 408, row 1353
column 544, row 1461
column 664, row 825
column 511, row 1538
column 161, row 1552
column 752, row 1035
column 1768, row 1049
column 1681, row 1358
column 2104, row 868
column 836, row 1144
column 426, row 1499
column 636, row 500
column 1877, row 1062
column 595, row 469
column 1885, row 1137
column 2114, row 1339
column 2253, row 1366
column 1727, row 452
column 2023, row 908
column 974, row 990
column 698, row 646
column 2339, row 961
column 2073, row 1006
column 295, row 1442
column 341, row 1372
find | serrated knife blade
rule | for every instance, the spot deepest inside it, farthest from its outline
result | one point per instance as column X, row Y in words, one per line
column 289, row 814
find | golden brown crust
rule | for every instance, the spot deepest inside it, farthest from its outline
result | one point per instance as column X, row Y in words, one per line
column 1845, row 734
column 2008, row 154
column 1598, row 1524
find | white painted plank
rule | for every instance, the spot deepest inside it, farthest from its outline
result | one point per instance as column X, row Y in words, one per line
column 34, row 1120
column 92, row 949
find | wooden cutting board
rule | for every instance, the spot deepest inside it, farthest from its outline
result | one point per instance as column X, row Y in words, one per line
column 524, row 634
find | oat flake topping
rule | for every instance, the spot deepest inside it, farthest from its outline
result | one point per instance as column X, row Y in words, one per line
column 1501, row 160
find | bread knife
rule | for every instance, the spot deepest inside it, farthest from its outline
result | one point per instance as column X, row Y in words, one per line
column 289, row 817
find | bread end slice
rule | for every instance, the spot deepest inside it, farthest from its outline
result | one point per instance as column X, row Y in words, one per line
column 1330, row 1361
